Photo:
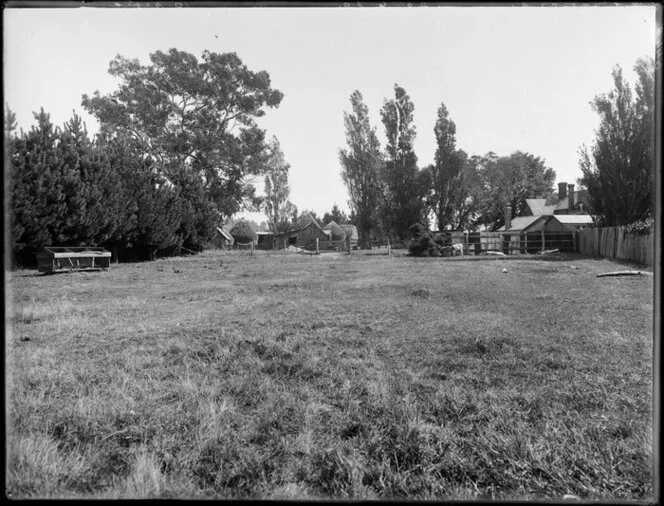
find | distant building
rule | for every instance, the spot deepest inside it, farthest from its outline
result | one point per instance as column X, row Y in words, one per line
column 222, row 238
column 565, row 201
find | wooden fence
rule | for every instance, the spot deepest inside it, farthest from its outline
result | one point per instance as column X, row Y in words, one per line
column 615, row 244
column 511, row 243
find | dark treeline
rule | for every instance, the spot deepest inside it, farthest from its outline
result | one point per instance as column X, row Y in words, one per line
column 70, row 190
column 174, row 157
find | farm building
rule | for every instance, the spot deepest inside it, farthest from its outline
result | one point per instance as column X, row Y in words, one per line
column 527, row 232
column 222, row 238
column 306, row 236
column 264, row 240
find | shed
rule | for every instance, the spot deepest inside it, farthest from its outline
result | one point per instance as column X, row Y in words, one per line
column 307, row 235
column 222, row 238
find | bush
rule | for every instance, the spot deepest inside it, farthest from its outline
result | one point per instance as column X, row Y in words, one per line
column 425, row 244
column 641, row 227
column 243, row 232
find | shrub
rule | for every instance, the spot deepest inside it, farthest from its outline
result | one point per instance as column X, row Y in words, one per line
column 641, row 227
column 243, row 232
column 425, row 244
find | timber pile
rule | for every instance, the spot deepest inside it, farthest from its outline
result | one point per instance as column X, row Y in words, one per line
column 625, row 273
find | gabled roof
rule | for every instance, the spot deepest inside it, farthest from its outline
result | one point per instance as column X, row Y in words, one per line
column 580, row 196
column 539, row 207
column 523, row 222
column 227, row 235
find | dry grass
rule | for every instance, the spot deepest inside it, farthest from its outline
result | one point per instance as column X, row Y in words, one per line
column 288, row 376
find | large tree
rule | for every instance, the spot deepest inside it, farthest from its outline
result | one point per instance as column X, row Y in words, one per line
column 448, row 195
column 63, row 189
column 508, row 180
column 361, row 164
column 402, row 189
column 192, row 116
column 618, row 170
column 276, row 204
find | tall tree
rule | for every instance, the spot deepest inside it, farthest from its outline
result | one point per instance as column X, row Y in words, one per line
column 361, row 164
column 448, row 195
column 191, row 116
column 402, row 192
column 508, row 180
column 276, row 204
column 618, row 170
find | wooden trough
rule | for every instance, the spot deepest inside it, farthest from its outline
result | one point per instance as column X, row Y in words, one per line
column 58, row 259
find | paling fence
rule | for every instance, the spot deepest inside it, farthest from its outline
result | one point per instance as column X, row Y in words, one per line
column 615, row 244
column 511, row 243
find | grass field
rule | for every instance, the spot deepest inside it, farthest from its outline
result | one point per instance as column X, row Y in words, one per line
column 291, row 376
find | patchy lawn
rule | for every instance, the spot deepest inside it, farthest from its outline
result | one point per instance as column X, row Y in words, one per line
column 363, row 376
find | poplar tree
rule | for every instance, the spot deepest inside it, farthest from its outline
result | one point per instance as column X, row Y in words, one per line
column 361, row 164
column 402, row 188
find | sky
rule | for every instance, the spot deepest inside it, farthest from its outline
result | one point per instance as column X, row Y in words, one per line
column 512, row 78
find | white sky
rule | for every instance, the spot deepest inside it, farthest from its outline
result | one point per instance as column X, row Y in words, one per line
column 512, row 78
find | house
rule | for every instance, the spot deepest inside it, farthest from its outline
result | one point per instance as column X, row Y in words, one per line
column 565, row 201
column 222, row 238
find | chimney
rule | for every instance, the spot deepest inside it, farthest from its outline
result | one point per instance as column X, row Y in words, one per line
column 562, row 191
column 508, row 216
column 570, row 195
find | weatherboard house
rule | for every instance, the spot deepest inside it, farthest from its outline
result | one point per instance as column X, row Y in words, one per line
column 563, row 213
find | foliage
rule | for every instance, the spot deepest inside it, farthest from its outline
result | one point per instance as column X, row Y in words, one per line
column 191, row 116
column 68, row 190
column 301, row 220
column 243, row 232
column 276, row 204
column 336, row 215
column 401, row 206
column 424, row 243
column 508, row 180
column 618, row 170
column 361, row 165
column 448, row 195
column 641, row 227
column 62, row 188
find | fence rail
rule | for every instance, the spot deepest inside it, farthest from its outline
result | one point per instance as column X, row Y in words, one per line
column 511, row 243
column 613, row 243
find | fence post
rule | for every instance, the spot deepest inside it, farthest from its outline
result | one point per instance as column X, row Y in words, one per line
column 543, row 242
column 389, row 248
column 317, row 250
